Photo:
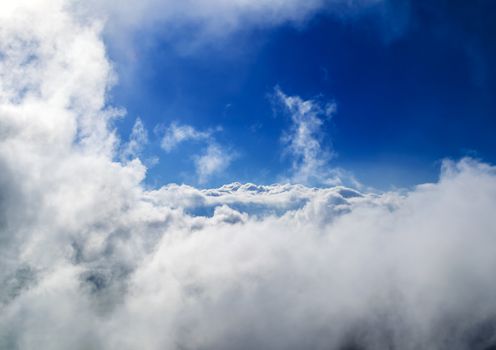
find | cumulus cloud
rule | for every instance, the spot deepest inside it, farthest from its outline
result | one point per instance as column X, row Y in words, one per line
column 91, row 259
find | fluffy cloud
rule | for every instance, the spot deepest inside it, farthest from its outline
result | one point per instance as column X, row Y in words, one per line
column 90, row 259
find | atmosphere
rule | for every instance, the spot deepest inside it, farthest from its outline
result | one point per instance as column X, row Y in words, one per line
column 247, row 174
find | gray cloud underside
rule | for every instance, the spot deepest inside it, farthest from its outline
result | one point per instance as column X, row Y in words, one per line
column 90, row 259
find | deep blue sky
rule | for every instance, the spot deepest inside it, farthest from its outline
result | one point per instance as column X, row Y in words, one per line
column 413, row 85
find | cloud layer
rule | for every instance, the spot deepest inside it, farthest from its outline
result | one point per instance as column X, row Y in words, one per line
column 90, row 259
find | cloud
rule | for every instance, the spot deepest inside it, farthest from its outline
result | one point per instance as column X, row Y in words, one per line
column 214, row 160
column 339, row 268
column 303, row 141
column 175, row 134
column 137, row 140
column 92, row 259
column 390, row 270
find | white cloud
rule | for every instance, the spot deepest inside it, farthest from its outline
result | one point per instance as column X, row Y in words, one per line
column 215, row 160
column 90, row 259
column 303, row 141
column 175, row 134
column 137, row 140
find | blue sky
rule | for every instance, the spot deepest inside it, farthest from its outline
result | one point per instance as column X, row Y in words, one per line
column 413, row 83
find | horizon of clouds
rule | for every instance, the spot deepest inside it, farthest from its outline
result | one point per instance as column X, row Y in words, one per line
column 91, row 259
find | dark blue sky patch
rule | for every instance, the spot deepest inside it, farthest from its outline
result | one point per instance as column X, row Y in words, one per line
column 413, row 81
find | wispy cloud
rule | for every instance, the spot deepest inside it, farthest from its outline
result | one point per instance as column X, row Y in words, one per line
column 137, row 141
column 176, row 134
column 214, row 158
column 304, row 140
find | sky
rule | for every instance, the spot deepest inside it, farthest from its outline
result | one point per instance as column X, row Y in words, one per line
column 247, row 174
column 412, row 82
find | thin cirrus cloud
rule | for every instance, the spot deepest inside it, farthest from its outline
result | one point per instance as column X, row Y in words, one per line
column 92, row 259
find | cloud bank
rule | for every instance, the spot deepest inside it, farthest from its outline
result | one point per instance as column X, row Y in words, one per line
column 91, row 259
